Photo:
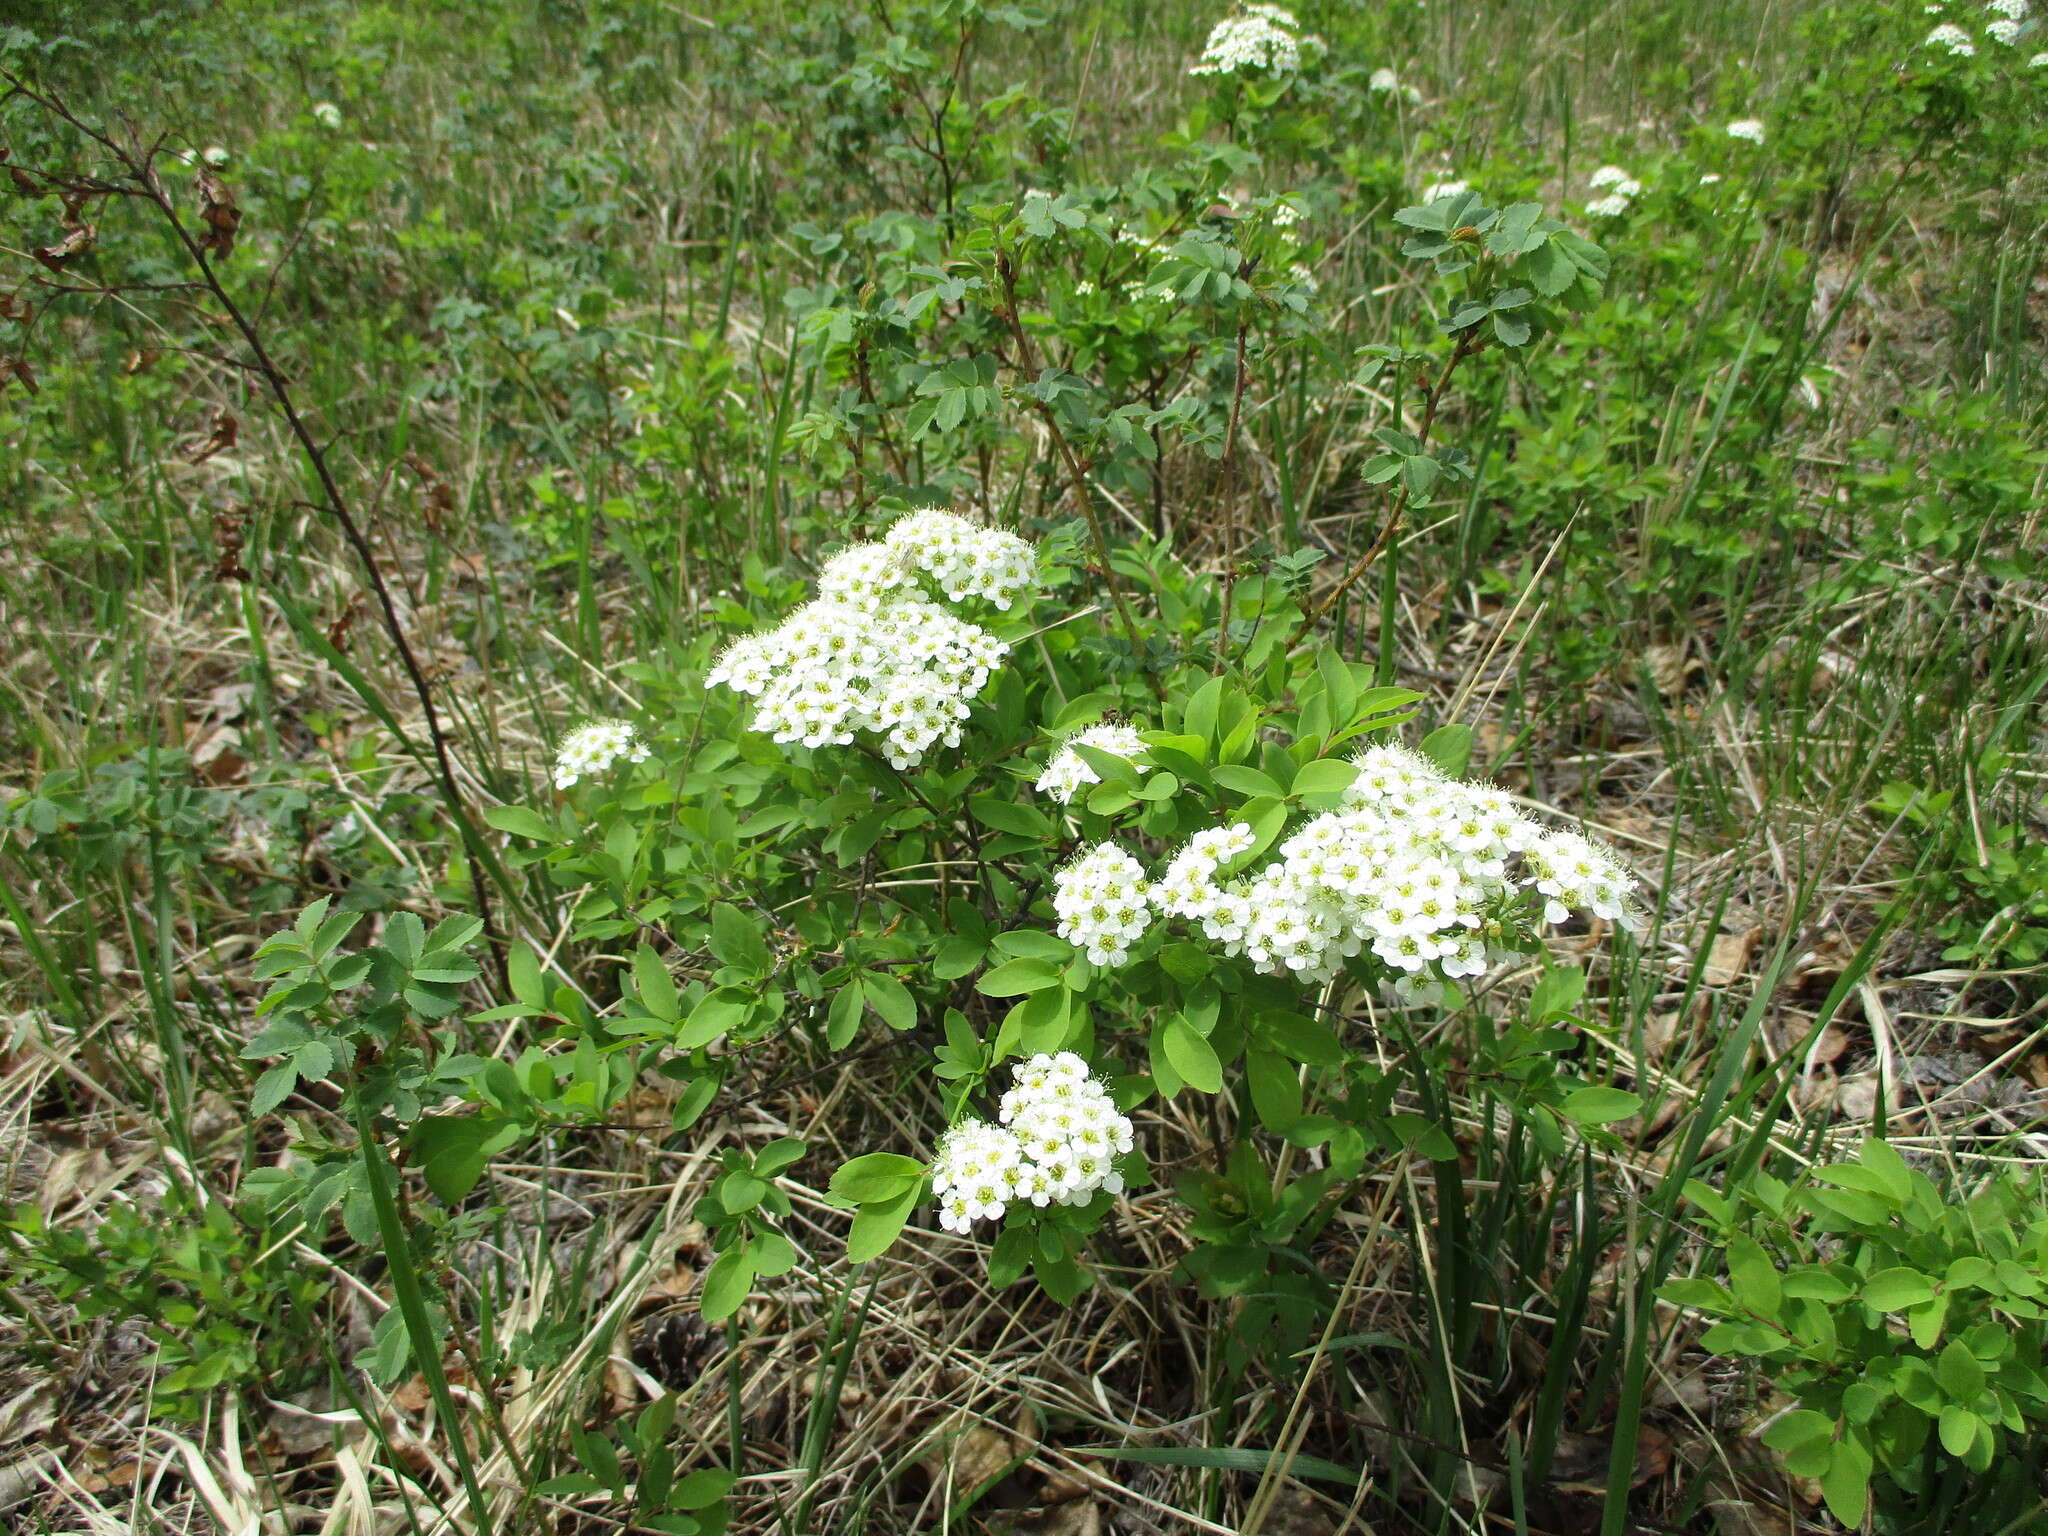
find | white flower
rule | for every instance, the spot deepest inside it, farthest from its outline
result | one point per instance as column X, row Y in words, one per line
column 592, row 748
column 1442, row 189
column 213, row 154
column 2003, row 31
column 1429, row 874
column 1069, row 771
column 1384, row 79
column 874, row 656
column 1104, row 904
column 2012, row 10
column 1259, row 37
column 1609, row 176
column 1611, row 206
column 2038, row 61
column 326, row 114
column 1748, row 128
column 1712, row 178
column 1059, row 1137
column 1953, row 38
column 965, row 558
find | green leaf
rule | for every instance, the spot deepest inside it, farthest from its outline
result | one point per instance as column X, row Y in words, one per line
column 842, row 1018
column 1190, row 1055
column 1017, row 977
column 876, row 1226
column 1247, row 781
column 702, row 1489
column 522, row 969
column 1599, row 1106
column 1557, row 993
column 273, row 1088
column 1958, row 1429
column 726, row 1284
column 1450, row 748
column 877, row 1177
column 958, row 956
column 1801, row 1426
column 891, row 999
column 1959, row 1372
column 1753, row 1276
column 520, row 821
column 656, row 987
column 454, row 1150
column 1846, row 1483
column 1009, row 816
column 1323, row 776
column 736, row 940
column 715, row 1013
column 1894, row 1290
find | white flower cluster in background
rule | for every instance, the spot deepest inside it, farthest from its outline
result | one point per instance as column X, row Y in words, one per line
column 1104, row 904
column 1749, row 128
column 1621, row 189
column 1438, row 190
column 1430, row 874
column 1258, row 37
column 1384, row 80
column 1057, row 1144
column 327, row 114
column 592, row 748
column 1952, row 38
column 873, row 654
column 1068, row 771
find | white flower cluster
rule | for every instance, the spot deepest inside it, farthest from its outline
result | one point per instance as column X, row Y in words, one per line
column 964, row 558
column 2011, row 10
column 1621, row 188
column 1437, row 190
column 1951, row 37
column 1104, row 904
column 1386, row 81
column 1258, row 37
column 1068, row 771
column 592, row 748
column 872, row 654
column 1417, row 867
column 1058, row 1142
column 1748, row 128
column 327, row 114
column 2038, row 61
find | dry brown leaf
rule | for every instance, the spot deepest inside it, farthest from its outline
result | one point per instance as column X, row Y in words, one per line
column 970, row 1461
column 1728, row 956
column 1669, row 668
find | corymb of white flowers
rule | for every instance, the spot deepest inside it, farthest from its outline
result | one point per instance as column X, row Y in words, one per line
column 874, row 653
column 1952, row 38
column 1749, row 128
column 1433, row 875
column 1621, row 190
column 593, row 747
column 1057, row 1144
column 1069, row 771
column 1257, row 37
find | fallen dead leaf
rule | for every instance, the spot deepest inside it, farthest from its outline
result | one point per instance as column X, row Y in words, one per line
column 1728, row 956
